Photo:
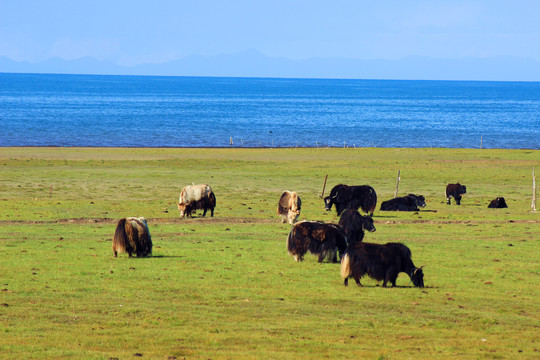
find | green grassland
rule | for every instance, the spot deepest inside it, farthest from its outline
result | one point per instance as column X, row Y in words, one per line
column 225, row 287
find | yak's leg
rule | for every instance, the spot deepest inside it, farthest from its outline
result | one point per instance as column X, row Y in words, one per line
column 448, row 200
column 458, row 200
column 357, row 279
column 204, row 212
column 346, row 281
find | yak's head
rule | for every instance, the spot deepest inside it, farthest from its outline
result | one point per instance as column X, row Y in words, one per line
column 329, row 201
column 367, row 224
column 420, row 201
column 417, row 277
column 182, row 209
column 462, row 189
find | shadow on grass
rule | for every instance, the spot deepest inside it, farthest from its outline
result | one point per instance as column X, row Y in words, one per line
column 166, row 256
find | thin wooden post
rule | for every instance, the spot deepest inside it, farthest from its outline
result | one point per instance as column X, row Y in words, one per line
column 397, row 184
column 481, row 141
column 324, row 187
column 533, row 203
column 50, row 192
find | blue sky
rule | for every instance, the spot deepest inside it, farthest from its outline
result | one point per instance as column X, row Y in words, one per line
column 134, row 32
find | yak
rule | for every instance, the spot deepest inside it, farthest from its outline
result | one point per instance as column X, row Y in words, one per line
column 498, row 203
column 132, row 236
column 380, row 262
column 352, row 197
column 354, row 225
column 196, row 197
column 410, row 202
column 455, row 191
column 289, row 207
column 319, row 238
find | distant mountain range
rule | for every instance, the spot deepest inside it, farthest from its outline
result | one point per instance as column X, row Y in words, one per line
column 254, row 64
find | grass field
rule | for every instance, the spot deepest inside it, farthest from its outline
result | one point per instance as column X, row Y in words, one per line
column 225, row 287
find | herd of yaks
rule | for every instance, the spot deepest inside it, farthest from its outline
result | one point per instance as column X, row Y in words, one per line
column 382, row 262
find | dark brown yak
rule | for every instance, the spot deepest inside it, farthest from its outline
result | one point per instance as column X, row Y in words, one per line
column 455, row 191
column 132, row 236
column 322, row 239
column 381, row 262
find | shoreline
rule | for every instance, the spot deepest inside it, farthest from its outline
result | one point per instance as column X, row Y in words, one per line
column 255, row 147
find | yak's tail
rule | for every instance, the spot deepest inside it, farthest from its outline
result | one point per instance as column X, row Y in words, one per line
column 346, row 266
column 289, row 243
column 119, row 240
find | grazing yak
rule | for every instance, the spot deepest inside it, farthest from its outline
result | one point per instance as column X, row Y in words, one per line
column 410, row 202
column 455, row 191
column 352, row 197
column 498, row 203
column 380, row 262
column 354, row 224
column 289, row 207
column 318, row 238
column 196, row 197
column 132, row 236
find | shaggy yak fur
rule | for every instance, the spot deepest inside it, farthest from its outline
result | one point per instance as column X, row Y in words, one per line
column 380, row 262
column 196, row 197
column 352, row 197
column 132, row 236
column 289, row 207
column 455, row 191
column 497, row 203
column 354, row 225
column 410, row 202
column 318, row 238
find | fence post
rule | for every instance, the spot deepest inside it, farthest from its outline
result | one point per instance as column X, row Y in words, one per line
column 533, row 202
column 397, row 184
column 324, row 187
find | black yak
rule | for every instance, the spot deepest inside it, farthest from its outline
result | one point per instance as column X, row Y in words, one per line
column 319, row 238
column 410, row 202
column 498, row 203
column 455, row 191
column 380, row 262
column 196, row 197
column 352, row 197
column 289, row 207
column 132, row 236
column 354, row 225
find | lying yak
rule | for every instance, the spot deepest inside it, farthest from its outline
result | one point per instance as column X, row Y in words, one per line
column 410, row 202
column 498, row 203
column 455, row 191
column 196, row 197
column 352, row 197
column 322, row 239
column 380, row 262
column 132, row 236
column 289, row 207
column 355, row 224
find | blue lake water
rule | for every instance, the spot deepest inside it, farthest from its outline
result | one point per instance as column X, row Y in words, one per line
column 146, row 111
